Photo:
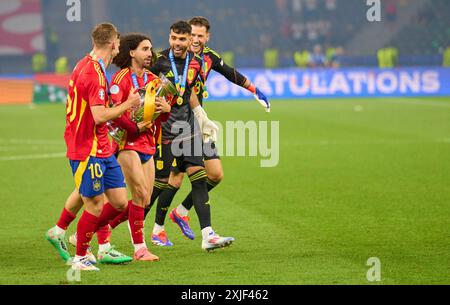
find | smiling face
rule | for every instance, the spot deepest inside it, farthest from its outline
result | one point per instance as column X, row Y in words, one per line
column 179, row 43
column 142, row 56
column 200, row 36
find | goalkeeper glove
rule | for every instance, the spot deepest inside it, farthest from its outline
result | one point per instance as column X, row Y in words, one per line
column 209, row 131
column 208, row 128
column 259, row 96
column 262, row 99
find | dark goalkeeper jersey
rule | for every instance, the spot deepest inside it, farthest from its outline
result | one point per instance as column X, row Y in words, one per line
column 211, row 60
column 180, row 112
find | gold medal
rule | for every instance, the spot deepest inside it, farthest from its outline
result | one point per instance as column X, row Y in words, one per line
column 180, row 100
column 205, row 94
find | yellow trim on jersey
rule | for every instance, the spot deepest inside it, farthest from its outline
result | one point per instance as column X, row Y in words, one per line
column 83, row 108
column 79, row 172
column 71, row 83
column 209, row 50
column 94, row 144
column 68, row 104
column 120, row 75
column 75, row 104
column 101, row 77
column 198, row 57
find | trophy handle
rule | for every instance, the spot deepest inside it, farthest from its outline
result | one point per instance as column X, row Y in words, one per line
column 149, row 104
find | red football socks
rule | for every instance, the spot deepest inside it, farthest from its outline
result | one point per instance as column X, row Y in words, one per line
column 103, row 234
column 86, row 227
column 65, row 219
column 123, row 216
column 108, row 214
column 136, row 220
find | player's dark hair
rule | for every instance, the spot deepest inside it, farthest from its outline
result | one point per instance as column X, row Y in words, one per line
column 103, row 33
column 200, row 21
column 181, row 27
column 129, row 42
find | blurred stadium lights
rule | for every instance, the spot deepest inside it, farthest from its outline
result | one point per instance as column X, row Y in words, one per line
column 418, row 29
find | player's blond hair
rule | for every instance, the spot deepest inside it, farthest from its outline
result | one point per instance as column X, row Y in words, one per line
column 103, row 34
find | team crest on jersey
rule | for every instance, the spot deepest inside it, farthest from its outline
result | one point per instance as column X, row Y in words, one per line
column 101, row 94
column 191, row 73
column 114, row 89
column 96, row 185
column 159, row 164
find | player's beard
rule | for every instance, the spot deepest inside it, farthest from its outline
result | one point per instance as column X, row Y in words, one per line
column 144, row 63
column 181, row 52
column 147, row 62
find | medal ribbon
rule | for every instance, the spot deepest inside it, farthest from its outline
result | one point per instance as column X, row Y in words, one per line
column 102, row 65
column 180, row 81
column 135, row 81
column 205, row 74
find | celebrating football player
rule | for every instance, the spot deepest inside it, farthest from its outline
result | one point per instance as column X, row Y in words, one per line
column 95, row 168
column 137, row 145
column 182, row 67
column 136, row 150
column 210, row 60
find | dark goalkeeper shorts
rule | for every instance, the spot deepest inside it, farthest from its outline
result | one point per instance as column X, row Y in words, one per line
column 177, row 157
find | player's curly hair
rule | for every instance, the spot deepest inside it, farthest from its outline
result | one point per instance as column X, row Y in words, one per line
column 200, row 21
column 128, row 43
column 181, row 27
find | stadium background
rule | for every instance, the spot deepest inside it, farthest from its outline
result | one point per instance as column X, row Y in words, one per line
column 361, row 173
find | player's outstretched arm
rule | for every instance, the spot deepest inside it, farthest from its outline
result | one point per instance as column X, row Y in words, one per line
column 102, row 114
column 237, row 78
column 259, row 96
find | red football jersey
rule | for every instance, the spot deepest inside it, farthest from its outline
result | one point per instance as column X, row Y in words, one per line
column 121, row 87
column 87, row 88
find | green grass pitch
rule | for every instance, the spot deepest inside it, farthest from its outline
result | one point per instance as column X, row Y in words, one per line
column 357, row 178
